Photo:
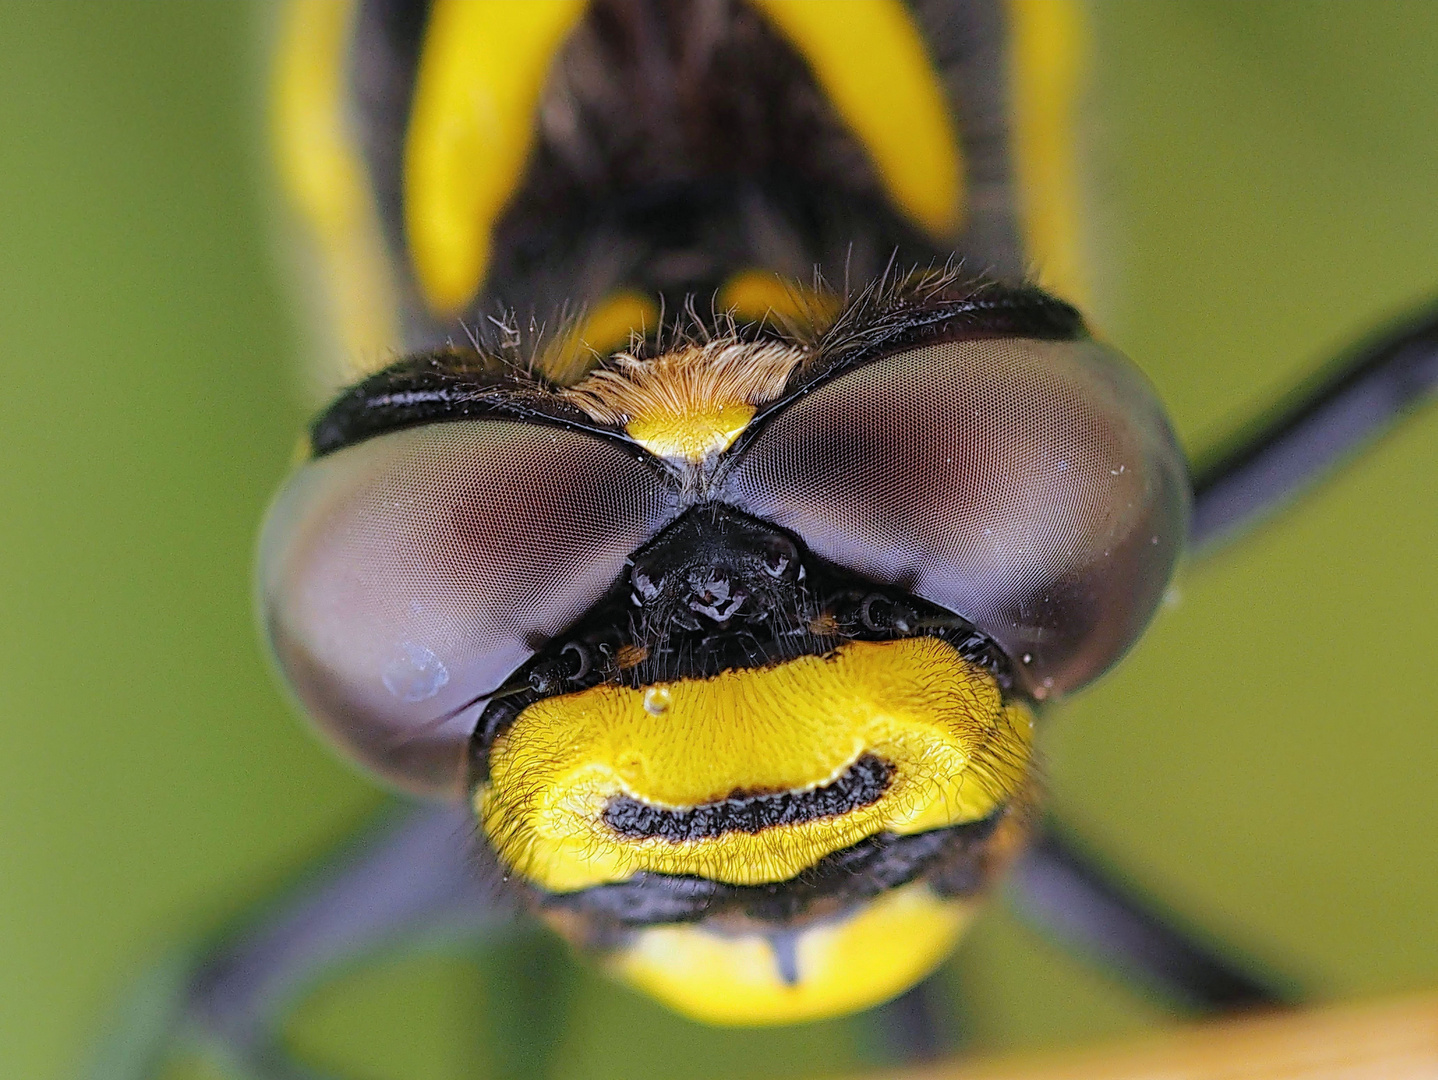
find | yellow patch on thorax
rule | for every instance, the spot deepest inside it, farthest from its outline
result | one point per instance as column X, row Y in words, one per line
column 1048, row 57
column 690, row 404
column 318, row 155
column 873, row 66
column 476, row 94
column 605, row 329
column 956, row 752
column 756, row 296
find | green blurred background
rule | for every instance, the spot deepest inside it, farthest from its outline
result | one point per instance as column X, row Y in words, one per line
column 1263, row 178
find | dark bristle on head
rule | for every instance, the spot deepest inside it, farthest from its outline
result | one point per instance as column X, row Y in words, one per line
column 498, row 372
column 449, row 384
column 918, row 306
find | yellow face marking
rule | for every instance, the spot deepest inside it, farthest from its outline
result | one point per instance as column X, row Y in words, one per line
column 693, row 435
column 320, row 167
column 690, row 404
column 871, row 63
column 1048, row 40
column 844, row 965
column 956, row 750
column 480, row 76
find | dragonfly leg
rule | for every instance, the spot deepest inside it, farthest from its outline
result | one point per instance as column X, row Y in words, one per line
column 919, row 1025
column 1069, row 896
column 414, row 875
column 1357, row 399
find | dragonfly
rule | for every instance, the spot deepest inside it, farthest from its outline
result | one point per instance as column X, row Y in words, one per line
column 233, row 992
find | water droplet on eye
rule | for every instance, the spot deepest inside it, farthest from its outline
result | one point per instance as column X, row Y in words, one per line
column 414, row 674
column 656, row 700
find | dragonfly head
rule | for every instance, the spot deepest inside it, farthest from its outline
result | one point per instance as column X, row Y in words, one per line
column 735, row 648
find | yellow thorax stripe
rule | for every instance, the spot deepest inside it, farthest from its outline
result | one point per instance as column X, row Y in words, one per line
column 321, row 170
column 1048, row 46
column 481, row 72
column 869, row 58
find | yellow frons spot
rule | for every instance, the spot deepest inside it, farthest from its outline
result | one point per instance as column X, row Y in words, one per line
column 869, row 59
column 876, row 953
column 758, row 295
column 606, row 329
column 694, row 435
column 957, row 753
column 1048, row 42
column 319, row 164
column 481, row 73
column 689, row 404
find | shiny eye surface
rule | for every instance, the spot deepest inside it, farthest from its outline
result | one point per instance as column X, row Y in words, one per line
column 1033, row 487
column 1030, row 486
column 406, row 575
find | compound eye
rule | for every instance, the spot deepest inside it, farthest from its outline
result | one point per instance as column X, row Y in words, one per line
column 409, row 575
column 1033, row 487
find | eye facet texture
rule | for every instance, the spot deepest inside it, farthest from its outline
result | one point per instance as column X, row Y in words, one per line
column 1033, row 487
column 409, row 574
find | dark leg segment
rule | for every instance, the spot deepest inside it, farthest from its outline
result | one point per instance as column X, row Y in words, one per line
column 1358, row 399
column 529, row 1012
column 415, row 875
column 917, row 1026
column 1067, row 895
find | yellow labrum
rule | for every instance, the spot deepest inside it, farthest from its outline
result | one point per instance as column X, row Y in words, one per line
column 901, row 736
column 824, row 969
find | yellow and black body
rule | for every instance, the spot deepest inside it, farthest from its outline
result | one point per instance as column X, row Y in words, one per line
column 711, row 498
column 555, row 158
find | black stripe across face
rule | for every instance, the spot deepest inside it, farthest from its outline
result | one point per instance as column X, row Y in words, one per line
column 861, row 784
column 956, row 861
